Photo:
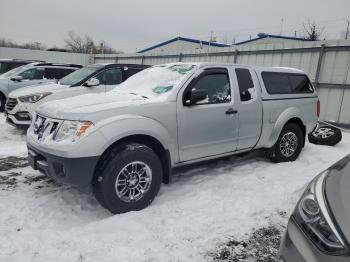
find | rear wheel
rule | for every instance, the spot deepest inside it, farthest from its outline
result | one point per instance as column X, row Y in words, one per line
column 130, row 180
column 288, row 145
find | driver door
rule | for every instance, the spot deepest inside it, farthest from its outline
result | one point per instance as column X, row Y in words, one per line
column 208, row 127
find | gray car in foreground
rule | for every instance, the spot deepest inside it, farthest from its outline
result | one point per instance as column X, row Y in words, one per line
column 319, row 229
column 125, row 142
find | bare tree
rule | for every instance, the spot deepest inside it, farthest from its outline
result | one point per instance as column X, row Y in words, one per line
column 312, row 31
column 86, row 44
column 78, row 44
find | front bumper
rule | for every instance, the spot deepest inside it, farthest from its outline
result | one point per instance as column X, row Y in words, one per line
column 17, row 120
column 19, row 114
column 74, row 171
column 296, row 247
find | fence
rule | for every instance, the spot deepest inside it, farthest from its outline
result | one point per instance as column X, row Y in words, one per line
column 48, row 56
column 326, row 62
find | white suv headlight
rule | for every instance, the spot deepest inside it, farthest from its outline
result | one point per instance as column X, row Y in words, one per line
column 72, row 130
column 34, row 97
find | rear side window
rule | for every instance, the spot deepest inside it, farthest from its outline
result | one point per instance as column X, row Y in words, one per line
column 245, row 84
column 300, row 84
column 57, row 73
column 283, row 83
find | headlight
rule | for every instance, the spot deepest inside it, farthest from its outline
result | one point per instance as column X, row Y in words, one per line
column 313, row 217
column 72, row 130
column 33, row 98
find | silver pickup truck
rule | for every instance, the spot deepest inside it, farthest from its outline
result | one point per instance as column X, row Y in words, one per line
column 126, row 142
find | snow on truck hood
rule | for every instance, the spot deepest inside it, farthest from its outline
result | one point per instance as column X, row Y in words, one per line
column 34, row 89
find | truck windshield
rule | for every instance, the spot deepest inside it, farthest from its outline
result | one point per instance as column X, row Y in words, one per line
column 78, row 75
column 156, row 81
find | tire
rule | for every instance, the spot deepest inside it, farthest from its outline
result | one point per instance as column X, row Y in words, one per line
column 123, row 165
column 289, row 144
column 2, row 103
column 325, row 135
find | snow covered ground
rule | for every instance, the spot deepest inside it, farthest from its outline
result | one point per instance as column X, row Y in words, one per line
column 203, row 207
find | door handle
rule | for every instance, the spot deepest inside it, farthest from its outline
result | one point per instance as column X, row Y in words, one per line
column 231, row 111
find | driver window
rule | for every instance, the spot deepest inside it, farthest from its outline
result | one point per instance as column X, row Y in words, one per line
column 33, row 74
column 217, row 87
column 112, row 76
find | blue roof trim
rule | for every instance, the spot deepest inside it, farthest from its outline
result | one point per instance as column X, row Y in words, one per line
column 186, row 40
column 273, row 36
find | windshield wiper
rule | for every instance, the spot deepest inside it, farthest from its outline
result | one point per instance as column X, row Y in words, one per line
column 139, row 95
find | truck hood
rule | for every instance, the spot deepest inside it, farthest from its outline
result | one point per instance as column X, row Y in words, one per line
column 34, row 89
column 337, row 193
column 83, row 106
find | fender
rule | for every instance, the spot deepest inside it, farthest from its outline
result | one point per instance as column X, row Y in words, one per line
column 283, row 118
column 127, row 125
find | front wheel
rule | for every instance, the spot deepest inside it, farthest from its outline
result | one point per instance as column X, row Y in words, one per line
column 288, row 145
column 130, row 180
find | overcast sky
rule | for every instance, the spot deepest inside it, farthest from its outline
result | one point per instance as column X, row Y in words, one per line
column 129, row 24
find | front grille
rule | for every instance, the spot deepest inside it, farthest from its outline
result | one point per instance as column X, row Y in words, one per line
column 11, row 103
column 43, row 127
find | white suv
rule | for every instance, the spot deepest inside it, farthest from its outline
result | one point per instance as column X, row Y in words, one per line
column 32, row 74
column 21, row 104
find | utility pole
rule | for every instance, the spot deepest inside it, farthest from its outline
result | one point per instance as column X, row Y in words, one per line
column 281, row 26
column 347, row 29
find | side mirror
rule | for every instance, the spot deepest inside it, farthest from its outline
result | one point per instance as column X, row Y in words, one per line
column 245, row 96
column 17, row 78
column 92, row 82
column 197, row 95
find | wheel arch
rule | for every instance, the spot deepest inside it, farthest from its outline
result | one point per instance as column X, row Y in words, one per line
column 291, row 115
column 147, row 140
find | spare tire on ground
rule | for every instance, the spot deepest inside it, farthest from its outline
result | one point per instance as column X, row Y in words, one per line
column 325, row 135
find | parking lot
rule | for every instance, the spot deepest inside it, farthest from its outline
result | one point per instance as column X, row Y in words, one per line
column 205, row 214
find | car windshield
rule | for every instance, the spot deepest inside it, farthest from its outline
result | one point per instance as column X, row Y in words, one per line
column 15, row 71
column 157, row 81
column 78, row 75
